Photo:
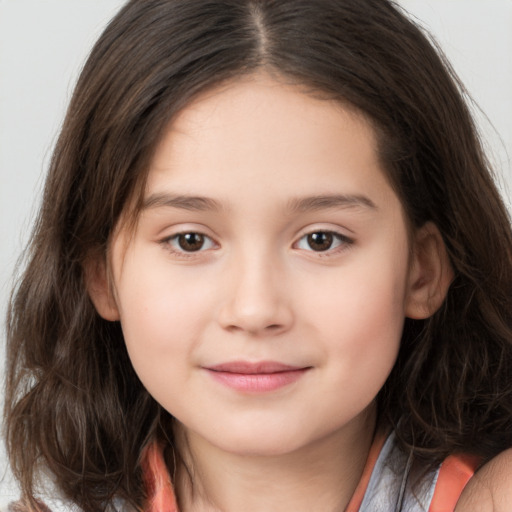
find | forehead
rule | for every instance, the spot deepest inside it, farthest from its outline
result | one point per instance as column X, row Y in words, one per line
column 260, row 137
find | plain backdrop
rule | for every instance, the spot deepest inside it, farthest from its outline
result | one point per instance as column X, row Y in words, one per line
column 43, row 44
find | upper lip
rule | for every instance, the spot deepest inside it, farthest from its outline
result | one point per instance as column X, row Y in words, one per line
column 245, row 367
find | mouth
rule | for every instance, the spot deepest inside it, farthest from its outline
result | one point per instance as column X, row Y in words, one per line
column 261, row 377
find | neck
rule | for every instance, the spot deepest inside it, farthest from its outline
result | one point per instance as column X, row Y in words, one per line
column 320, row 476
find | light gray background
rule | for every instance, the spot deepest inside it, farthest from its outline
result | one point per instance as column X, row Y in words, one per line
column 44, row 42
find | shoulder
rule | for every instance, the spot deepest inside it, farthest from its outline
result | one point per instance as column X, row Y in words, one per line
column 490, row 490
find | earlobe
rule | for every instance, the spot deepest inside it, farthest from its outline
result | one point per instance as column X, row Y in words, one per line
column 430, row 273
column 99, row 289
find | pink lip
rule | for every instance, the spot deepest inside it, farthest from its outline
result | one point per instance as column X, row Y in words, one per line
column 259, row 377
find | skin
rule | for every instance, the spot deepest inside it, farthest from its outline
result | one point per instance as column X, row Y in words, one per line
column 256, row 289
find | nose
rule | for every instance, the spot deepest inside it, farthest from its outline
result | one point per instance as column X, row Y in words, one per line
column 255, row 298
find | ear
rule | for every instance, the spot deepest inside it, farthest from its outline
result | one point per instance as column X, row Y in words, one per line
column 430, row 273
column 99, row 288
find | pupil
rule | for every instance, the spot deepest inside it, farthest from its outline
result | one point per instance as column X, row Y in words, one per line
column 191, row 241
column 320, row 241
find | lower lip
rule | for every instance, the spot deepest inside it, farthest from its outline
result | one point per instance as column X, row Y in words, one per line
column 258, row 382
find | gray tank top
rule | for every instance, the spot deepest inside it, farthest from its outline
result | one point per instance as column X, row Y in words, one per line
column 390, row 488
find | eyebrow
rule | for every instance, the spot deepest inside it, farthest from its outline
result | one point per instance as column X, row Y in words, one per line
column 184, row 202
column 301, row 204
column 330, row 201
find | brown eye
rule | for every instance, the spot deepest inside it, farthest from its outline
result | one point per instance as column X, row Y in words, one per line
column 188, row 242
column 320, row 241
column 329, row 242
column 191, row 242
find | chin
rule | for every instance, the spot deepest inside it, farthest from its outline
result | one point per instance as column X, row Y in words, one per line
column 264, row 443
column 267, row 448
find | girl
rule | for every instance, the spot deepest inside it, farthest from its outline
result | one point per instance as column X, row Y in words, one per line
column 271, row 272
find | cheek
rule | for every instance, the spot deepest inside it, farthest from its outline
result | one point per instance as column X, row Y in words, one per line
column 364, row 330
column 360, row 314
column 363, row 297
column 162, row 316
column 361, row 331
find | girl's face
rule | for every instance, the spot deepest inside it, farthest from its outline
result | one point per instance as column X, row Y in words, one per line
column 263, row 293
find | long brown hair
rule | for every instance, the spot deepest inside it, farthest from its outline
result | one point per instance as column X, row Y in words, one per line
column 74, row 404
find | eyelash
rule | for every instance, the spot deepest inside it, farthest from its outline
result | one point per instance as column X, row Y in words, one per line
column 342, row 242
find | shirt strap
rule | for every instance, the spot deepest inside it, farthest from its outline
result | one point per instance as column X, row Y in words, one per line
column 373, row 455
column 454, row 474
column 159, row 488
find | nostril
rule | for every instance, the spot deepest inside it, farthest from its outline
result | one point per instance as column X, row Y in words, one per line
column 273, row 328
column 234, row 328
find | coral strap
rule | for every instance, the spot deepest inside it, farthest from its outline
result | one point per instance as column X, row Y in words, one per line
column 454, row 474
column 159, row 488
column 373, row 455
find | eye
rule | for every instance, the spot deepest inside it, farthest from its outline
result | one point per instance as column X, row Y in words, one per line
column 190, row 242
column 322, row 241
